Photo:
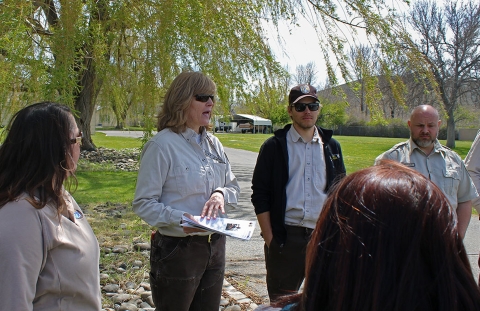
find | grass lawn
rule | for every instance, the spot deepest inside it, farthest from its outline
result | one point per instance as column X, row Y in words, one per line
column 115, row 142
column 247, row 141
column 358, row 151
column 97, row 185
column 105, row 186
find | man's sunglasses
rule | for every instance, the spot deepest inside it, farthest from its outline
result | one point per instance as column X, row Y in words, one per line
column 300, row 107
column 204, row 98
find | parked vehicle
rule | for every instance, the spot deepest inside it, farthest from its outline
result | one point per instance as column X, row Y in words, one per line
column 221, row 126
column 246, row 127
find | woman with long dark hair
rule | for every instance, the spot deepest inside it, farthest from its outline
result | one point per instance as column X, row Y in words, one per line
column 387, row 239
column 48, row 252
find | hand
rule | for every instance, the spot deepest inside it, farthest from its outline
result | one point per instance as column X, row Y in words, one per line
column 267, row 238
column 213, row 205
column 189, row 230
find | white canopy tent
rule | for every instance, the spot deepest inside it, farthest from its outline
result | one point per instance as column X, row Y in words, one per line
column 259, row 124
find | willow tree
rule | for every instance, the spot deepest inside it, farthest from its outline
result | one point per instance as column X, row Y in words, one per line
column 68, row 51
column 449, row 38
column 71, row 49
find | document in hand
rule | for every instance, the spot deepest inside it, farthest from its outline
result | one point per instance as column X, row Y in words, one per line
column 240, row 229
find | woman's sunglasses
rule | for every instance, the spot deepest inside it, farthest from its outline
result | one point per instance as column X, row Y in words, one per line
column 204, row 98
column 77, row 140
column 300, row 107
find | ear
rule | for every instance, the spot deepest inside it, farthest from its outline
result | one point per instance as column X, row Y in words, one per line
column 439, row 123
column 409, row 124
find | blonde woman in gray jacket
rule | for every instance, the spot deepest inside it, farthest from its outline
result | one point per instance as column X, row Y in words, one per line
column 48, row 252
column 183, row 172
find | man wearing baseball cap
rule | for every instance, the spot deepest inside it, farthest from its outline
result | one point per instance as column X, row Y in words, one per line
column 294, row 170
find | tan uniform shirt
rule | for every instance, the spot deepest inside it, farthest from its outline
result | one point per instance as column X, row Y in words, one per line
column 47, row 262
column 442, row 166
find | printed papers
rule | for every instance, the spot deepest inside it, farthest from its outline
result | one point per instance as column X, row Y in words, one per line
column 240, row 229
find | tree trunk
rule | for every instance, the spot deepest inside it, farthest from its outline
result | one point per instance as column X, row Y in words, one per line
column 450, row 129
column 85, row 102
column 89, row 83
column 362, row 98
column 120, row 125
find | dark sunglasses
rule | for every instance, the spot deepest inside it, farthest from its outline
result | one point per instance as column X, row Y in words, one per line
column 204, row 98
column 300, row 107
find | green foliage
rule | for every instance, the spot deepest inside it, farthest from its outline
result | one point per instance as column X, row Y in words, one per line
column 366, row 85
column 397, row 122
column 332, row 114
column 279, row 115
column 124, row 54
column 465, row 116
column 377, row 119
column 269, row 99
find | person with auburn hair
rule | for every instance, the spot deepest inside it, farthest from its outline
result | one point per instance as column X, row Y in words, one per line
column 387, row 239
column 184, row 171
column 48, row 252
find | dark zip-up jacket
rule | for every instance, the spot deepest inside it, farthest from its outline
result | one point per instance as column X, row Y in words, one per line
column 270, row 176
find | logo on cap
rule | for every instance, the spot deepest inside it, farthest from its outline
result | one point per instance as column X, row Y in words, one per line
column 305, row 89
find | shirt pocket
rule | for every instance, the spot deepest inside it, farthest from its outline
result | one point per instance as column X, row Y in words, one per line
column 320, row 177
column 451, row 180
column 188, row 180
column 220, row 172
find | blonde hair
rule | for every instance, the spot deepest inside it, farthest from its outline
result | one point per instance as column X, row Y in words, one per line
column 173, row 114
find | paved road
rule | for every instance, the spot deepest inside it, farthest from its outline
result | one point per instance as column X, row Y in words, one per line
column 245, row 258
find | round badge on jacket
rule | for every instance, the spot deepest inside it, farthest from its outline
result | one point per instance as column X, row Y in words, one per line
column 77, row 215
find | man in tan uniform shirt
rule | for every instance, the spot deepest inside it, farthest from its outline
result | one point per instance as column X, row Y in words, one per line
column 424, row 153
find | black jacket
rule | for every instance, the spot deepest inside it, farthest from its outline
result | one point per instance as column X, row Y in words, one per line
column 270, row 176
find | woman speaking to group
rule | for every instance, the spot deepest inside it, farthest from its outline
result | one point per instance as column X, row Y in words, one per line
column 183, row 172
